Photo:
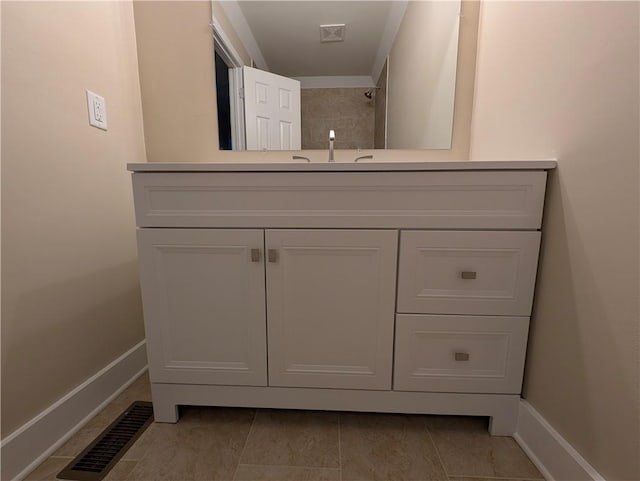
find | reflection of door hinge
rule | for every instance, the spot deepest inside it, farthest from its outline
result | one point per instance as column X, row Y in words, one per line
column 241, row 92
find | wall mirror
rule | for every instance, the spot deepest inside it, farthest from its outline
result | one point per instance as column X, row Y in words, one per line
column 379, row 73
column 267, row 75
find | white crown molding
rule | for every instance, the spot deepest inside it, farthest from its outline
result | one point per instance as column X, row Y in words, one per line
column 235, row 16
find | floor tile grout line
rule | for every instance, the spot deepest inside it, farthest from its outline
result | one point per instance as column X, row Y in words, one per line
column 494, row 478
column 290, row 466
column 246, row 441
column 433, row 443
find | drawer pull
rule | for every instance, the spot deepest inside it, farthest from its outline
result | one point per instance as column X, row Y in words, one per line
column 255, row 255
column 461, row 356
column 468, row 274
column 272, row 255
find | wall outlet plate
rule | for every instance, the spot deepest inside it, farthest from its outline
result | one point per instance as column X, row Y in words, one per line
column 97, row 110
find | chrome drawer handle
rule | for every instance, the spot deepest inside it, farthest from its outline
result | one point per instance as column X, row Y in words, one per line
column 462, row 356
column 468, row 274
column 272, row 255
column 255, row 255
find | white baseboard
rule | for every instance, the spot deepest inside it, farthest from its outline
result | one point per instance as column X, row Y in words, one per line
column 28, row 446
column 556, row 459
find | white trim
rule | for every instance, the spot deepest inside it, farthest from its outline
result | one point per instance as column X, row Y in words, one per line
column 222, row 44
column 394, row 20
column 548, row 450
column 235, row 16
column 238, row 131
column 335, row 82
column 24, row 449
column 386, row 103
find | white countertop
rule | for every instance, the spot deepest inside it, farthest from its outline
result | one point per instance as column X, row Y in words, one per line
column 345, row 166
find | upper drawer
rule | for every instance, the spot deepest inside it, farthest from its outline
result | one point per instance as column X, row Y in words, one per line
column 463, row 199
column 449, row 272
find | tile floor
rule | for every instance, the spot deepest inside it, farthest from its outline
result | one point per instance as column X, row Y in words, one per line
column 274, row 445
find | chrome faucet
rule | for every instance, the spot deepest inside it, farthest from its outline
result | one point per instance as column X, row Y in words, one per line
column 332, row 137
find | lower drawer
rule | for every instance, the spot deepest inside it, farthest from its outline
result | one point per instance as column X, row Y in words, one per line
column 471, row 354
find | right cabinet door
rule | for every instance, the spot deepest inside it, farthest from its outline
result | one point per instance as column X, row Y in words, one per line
column 467, row 272
column 330, row 307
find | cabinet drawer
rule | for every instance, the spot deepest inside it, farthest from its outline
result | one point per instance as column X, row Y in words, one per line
column 473, row 354
column 454, row 272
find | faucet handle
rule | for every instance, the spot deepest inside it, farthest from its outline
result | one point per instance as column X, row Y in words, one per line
column 363, row 157
column 332, row 137
column 300, row 157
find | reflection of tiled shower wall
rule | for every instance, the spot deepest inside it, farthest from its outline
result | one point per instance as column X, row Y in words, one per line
column 345, row 110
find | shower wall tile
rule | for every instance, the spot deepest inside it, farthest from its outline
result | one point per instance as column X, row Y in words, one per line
column 345, row 110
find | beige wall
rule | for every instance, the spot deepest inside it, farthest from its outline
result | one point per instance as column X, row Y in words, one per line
column 70, row 294
column 175, row 53
column 345, row 110
column 178, row 95
column 422, row 75
column 560, row 79
column 463, row 103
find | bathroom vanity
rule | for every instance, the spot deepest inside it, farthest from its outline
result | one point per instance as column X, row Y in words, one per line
column 389, row 287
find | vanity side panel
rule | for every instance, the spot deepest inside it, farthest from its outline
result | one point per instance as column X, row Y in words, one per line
column 461, row 199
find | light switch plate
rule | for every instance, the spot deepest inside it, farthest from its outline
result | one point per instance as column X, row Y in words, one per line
column 97, row 110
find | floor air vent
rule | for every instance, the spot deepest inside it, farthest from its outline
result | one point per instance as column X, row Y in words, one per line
column 105, row 451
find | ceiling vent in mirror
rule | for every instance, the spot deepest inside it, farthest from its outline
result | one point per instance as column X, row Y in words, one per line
column 332, row 33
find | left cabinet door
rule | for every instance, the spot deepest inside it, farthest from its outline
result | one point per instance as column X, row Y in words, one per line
column 203, row 292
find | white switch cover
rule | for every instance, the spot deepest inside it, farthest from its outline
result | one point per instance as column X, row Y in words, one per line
column 97, row 110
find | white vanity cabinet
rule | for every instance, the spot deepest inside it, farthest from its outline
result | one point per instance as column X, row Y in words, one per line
column 389, row 287
column 329, row 295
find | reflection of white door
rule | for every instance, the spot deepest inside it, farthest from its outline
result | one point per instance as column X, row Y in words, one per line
column 272, row 111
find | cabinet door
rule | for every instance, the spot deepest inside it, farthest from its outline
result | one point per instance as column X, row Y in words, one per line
column 330, row 303
column 204, row 306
